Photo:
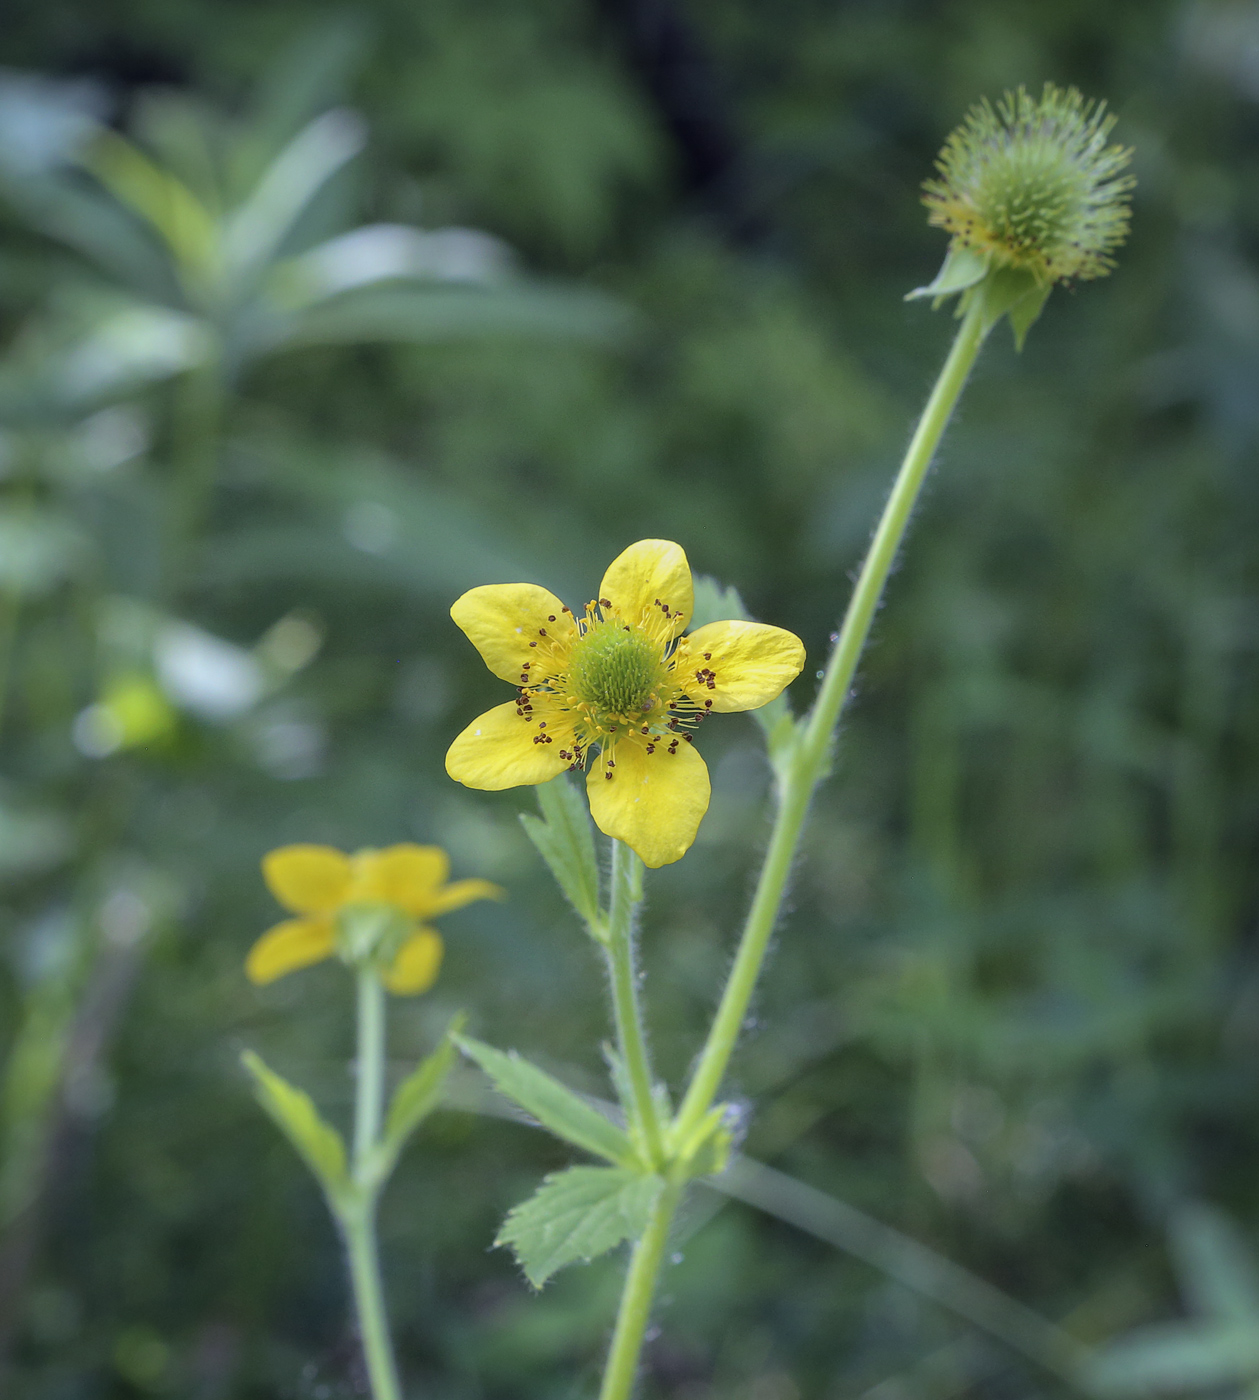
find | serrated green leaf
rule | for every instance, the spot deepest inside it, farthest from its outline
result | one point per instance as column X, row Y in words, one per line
column 414, row 1099
column 565, row 839
column 293, row 1112
column 553, row 1104
column 578, row 1214
column 1172, row 1359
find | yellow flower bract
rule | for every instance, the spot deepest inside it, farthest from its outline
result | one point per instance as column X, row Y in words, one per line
column 621, row 678
column 319, row 883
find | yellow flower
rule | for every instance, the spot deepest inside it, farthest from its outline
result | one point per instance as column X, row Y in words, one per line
column 366, row 906
column 623, row 678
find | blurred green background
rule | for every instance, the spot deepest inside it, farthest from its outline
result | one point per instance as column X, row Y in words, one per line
column 628, row 269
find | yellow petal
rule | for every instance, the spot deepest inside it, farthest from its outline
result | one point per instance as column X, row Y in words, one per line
column 463, row 892
column 497, row 750
column 415, row 968
column 750, row 663
column 654, row 802
column 286, row 947
column 406, row 876
column 647, row 574
column 502, row 619
column 308, row 879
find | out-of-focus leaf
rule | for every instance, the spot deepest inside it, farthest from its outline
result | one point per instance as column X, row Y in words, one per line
column 31, row 840
column 309, row 76
column 578, row 1214
column 134, row 346
column 182, row 221
column 44, row 122
column 256, row 232
column 97, row 226
column 1215, row 1265
column 293, row 1112
column 1173, row 1359
column 414, row 1099
column 38, row 548
column 404, row 311
column 553, row 1104
column 380, row 252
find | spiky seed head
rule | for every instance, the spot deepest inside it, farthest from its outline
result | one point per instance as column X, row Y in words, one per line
column 1032, row 185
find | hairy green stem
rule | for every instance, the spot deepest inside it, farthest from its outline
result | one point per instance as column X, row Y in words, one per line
column 626, row 892
column 358, row 1213
column 812, row 756
column 807, row 767
column 636, row 1299
column 369, row 1301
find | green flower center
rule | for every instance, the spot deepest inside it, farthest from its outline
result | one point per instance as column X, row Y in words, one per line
column 1032, row 199
column 615, row 669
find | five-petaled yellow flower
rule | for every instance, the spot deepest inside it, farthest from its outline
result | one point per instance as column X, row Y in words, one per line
column 622, row 678
column 367, row 906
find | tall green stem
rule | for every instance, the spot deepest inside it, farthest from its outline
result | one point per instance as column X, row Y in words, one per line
column 627, row 873
column 358, row 1213
column 369, row 1300
column 370, row 1069
column 812, row 755
column 807, row 767
column 636, row 1299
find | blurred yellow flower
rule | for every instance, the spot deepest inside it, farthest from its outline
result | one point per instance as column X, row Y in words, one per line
column 366, row 906
column 624, row 678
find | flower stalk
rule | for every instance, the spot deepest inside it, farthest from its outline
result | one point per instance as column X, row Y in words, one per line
column 357, row 1214
column 627, row 878
column 808, row 766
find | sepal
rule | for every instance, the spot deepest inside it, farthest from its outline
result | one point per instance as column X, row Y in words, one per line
column 961, row 269
column 578, row 1214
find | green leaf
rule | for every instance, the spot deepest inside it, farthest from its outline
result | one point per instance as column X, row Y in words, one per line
column 961, row 269
column 578, row 1214
column 553, row 1104
column 433, row 311
column 414, row 1099
column 292, row 1111
column 707, row 1152
column 565, row 839
column 1215, row 1265
column 1171, row 1359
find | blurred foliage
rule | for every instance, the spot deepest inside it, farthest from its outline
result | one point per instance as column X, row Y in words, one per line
column 1015, row 1009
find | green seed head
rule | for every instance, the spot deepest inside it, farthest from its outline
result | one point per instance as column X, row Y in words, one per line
column 616, row 670
column 1033, row 186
